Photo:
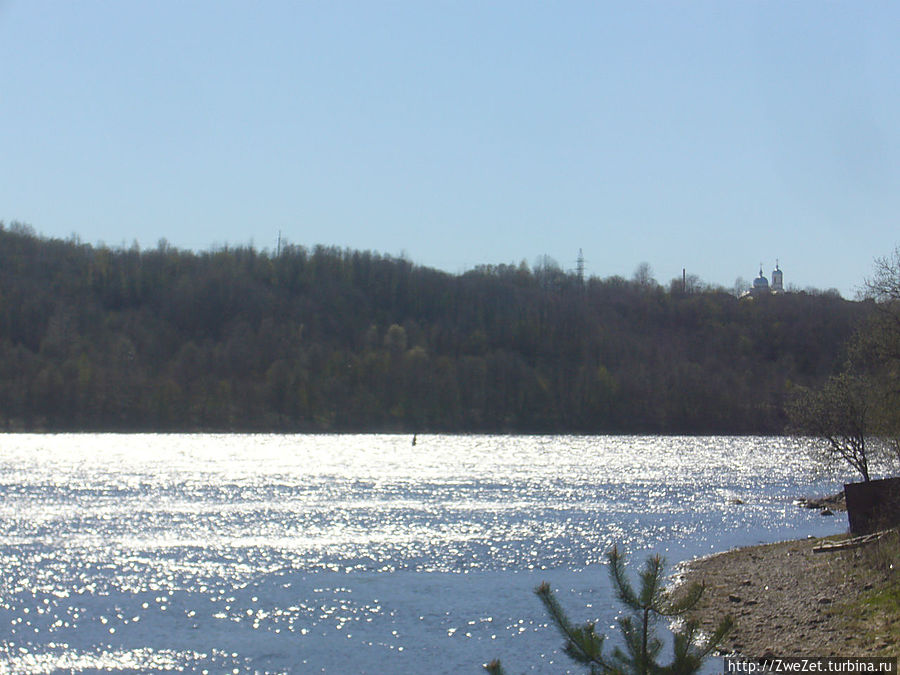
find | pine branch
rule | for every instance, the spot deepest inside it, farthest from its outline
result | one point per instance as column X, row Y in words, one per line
column 624, row 591
column 724, row 628
column 642, row 647
column 651, row 583
column 686, row 602
column 583, row 644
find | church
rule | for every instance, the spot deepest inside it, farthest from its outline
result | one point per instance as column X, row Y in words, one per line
column 761, row 285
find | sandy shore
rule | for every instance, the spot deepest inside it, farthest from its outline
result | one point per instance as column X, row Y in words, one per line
column 787, row 600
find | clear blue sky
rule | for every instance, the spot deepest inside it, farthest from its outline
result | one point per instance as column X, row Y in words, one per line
column 713, row 136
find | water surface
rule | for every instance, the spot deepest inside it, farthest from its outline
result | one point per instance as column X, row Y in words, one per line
column 355, row 554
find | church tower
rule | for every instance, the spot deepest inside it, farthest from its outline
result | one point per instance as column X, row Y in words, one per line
column 777, row 279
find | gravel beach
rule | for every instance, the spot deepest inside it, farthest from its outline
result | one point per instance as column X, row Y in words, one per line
column 787, row 600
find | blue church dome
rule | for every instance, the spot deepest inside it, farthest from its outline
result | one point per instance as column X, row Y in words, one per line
column 760, row 282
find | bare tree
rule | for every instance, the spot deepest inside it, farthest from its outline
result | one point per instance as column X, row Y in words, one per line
column 841, row 415
column 876, row 349
column 884, row 285
column 882, row 336
column 643, row 276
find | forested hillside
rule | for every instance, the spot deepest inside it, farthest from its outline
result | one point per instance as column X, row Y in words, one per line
column 336, row 340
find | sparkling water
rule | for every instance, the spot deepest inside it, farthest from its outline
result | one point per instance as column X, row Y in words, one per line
column 357, row 554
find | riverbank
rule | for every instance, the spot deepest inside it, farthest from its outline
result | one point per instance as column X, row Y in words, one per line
column 788, row 600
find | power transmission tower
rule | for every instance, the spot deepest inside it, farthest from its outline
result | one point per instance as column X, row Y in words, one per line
column 579, row 267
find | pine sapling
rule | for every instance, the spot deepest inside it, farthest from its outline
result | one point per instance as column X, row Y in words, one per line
column 642, row 646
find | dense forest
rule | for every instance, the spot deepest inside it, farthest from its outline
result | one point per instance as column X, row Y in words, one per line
column 325, row 339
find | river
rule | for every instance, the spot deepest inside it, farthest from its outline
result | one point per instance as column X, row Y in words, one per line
column 350, row 554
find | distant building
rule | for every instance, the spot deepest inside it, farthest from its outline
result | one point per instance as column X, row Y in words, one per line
column 777, row 279
column 761, row 284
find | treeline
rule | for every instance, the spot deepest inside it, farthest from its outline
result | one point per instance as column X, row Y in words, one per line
column 324, row 339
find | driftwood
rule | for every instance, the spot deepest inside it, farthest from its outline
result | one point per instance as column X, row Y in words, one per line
column 855, row 542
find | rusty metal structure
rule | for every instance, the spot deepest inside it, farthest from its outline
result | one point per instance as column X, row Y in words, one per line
column 873, row 505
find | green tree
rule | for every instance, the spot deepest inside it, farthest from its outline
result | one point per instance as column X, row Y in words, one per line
column 642, row 647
